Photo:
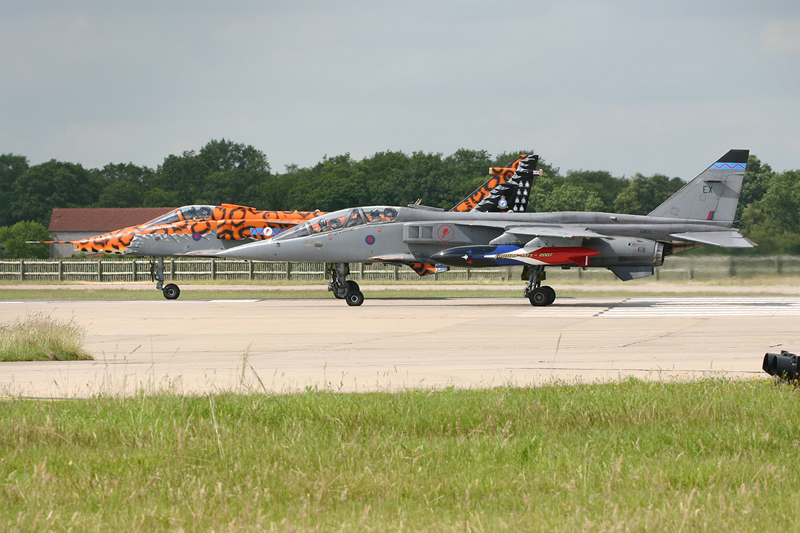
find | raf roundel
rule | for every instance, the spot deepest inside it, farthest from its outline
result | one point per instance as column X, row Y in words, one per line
column 196, row 236
column 370, row 239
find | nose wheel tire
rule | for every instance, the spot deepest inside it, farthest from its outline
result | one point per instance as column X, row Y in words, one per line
column 171, row 292
column 354, row 298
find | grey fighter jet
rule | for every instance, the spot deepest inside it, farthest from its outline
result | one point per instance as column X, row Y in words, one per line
column 629, row 245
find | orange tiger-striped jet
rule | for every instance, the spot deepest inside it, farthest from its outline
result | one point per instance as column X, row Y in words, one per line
column 192, row 228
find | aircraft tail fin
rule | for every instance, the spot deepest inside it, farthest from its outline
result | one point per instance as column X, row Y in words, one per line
column 713, row 195
column 508, row 190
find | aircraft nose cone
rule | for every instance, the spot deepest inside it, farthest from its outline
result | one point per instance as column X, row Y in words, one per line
column 255, row 250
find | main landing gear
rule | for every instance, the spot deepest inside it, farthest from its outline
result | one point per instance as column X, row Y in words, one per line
column 341, row 287
column 539, row 295
column 170, row 290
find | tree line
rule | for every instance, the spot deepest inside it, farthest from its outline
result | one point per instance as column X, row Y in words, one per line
column 223, row 171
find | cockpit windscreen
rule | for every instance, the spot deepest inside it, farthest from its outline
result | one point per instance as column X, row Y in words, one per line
column 188, row 212
column 344, row 218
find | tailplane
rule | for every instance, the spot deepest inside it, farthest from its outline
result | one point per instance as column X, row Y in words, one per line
column 713, row 195
column 508, row 190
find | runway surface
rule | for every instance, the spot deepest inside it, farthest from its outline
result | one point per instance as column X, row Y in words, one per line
column 283, row 346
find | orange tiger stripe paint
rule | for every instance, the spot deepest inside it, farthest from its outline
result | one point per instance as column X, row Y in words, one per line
column 502, row 176
column 231, row 222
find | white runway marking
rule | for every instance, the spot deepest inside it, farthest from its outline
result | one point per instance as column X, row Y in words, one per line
column 702, row 307
column 234, row 301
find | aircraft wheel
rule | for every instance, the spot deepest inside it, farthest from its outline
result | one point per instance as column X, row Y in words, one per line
column 540, row 297
column 551, row 294
column 171, row 292
column 354, row 298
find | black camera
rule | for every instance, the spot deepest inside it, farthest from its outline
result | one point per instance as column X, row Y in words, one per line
column 782, row 365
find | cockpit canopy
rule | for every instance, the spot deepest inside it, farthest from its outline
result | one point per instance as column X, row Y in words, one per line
column 345, row 218
column 187, row 212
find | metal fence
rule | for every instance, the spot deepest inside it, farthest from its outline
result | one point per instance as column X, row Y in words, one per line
column 124, row 269
column 130, row 269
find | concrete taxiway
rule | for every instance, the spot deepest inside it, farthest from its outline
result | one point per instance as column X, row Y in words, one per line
column 282, row 346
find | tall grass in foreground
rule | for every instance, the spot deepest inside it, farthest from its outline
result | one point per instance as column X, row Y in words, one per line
column 632, row 456
column 41, row 338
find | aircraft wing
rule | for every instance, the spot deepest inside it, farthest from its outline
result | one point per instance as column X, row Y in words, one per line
column 562, row 232
column 555, row 230
column 726, row 239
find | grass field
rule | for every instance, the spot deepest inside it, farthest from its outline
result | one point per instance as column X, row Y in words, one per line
column 631, row 456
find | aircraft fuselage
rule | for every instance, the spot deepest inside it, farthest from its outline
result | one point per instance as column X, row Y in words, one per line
column 701, row 212
column 417, row 234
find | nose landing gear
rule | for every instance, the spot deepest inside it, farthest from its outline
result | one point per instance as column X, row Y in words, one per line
column 170, row 291
column 341, row 287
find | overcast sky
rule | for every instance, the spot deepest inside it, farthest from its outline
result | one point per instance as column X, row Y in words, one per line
column 620, row 85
